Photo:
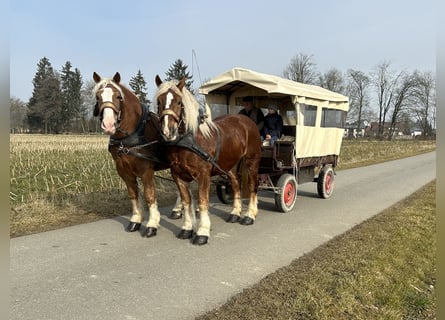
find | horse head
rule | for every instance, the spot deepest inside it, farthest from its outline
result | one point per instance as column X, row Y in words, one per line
column 109, row 97
column 169, row 99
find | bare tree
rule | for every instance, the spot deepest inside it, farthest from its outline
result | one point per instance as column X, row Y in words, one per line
column 301, row 69
column 17, row 115
column 403, row 93
column 89, row 123
column 424, row 108
column 332, row 80
column 385, row 81
column 358, row 86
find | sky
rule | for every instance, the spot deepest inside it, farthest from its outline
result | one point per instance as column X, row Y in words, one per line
column 212, row 37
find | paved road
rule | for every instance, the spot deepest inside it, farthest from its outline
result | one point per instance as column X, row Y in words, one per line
column 98, row 271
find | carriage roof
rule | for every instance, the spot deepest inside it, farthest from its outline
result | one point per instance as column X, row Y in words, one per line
column 237, row 78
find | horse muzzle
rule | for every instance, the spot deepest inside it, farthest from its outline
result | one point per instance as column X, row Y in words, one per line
column 109, row 118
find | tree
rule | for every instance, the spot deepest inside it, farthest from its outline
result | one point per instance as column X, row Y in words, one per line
column 301, row 69
column 358, row 84
column 332, row 80
column 17, row 115
column 177, row 71
column 402, row 94
column 89, row 123
column 44, row 106
column 424, row 107
column 385, row 81
column 71, row 85
column 139, row 87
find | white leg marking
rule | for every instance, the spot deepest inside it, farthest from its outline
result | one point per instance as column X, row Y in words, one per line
column 237, row 207
column 204, row 225
column 137, row 212
column 252, row 209
column 189, row 217
column 154, row 216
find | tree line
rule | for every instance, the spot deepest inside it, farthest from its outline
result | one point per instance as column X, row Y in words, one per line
column 393, row 100
column 62, row 102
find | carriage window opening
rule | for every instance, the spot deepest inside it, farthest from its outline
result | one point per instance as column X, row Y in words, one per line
column 290, row 117
column 310, row 115
column 333, row 118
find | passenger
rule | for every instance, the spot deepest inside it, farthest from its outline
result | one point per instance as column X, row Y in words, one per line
column 252, row 112
column 273, row 126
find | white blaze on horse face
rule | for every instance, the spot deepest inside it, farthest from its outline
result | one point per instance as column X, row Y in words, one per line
column 107, row 95
column 169, row 99
column 108, row 121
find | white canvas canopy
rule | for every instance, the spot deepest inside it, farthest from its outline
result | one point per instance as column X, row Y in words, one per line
column 315, row 136
column 227, row 82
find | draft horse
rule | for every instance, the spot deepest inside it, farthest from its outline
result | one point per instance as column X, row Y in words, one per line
column 134, row 145
column 198, row 148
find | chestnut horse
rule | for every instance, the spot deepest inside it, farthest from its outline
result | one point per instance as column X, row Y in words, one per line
column 199, row 148
column 134, row 136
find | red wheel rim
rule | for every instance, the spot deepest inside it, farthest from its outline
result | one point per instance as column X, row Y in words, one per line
column 289, row 193
column 328, row 183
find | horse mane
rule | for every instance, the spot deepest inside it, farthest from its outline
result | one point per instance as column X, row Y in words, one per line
column 191, row 108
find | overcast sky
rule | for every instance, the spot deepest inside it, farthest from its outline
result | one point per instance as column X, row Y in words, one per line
column 125, row 36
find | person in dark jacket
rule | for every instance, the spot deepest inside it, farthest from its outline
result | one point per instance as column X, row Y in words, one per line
column 252, row 112
column 273, row 126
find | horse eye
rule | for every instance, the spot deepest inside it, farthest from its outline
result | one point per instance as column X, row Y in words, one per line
column 119, row 97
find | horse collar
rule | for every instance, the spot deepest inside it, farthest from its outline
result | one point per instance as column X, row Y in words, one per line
column 134, row 138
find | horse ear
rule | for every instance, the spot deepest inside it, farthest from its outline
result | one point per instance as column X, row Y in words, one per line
column 117, row 78
column 181, row 83
column 96, row 77
column 158, row 80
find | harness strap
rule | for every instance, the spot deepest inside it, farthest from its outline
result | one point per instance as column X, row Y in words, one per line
column 136, row 140
column 188, row 141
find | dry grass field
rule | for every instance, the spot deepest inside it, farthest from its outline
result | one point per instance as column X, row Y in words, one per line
column 62, row 180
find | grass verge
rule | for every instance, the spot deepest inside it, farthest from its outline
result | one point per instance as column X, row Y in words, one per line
column 383, row 268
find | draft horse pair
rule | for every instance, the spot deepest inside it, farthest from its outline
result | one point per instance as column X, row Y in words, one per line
column 180, row 137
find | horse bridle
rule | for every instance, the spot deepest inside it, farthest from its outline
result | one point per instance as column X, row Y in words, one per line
column 179, row 119
column 116, row 109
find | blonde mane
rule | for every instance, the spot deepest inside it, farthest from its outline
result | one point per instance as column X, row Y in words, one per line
column 191, row 108
column 104, row 82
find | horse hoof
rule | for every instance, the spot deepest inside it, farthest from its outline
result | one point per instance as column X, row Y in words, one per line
column 150, row 232
column 233, row 218
column 175, row 215
column 246, row 221
column 132, row 227
column 200, row 240
column 185, row 234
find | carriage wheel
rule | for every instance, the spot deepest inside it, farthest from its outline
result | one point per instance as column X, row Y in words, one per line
column 224, row 193
column 325, row 183
column 285, row 200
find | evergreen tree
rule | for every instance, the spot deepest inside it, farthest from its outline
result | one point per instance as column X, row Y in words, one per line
column 44, row 106
column 71, row 85
column 139, row 87
column 177, row 71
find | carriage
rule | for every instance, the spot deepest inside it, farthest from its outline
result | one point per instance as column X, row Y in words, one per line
column 313, row 128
